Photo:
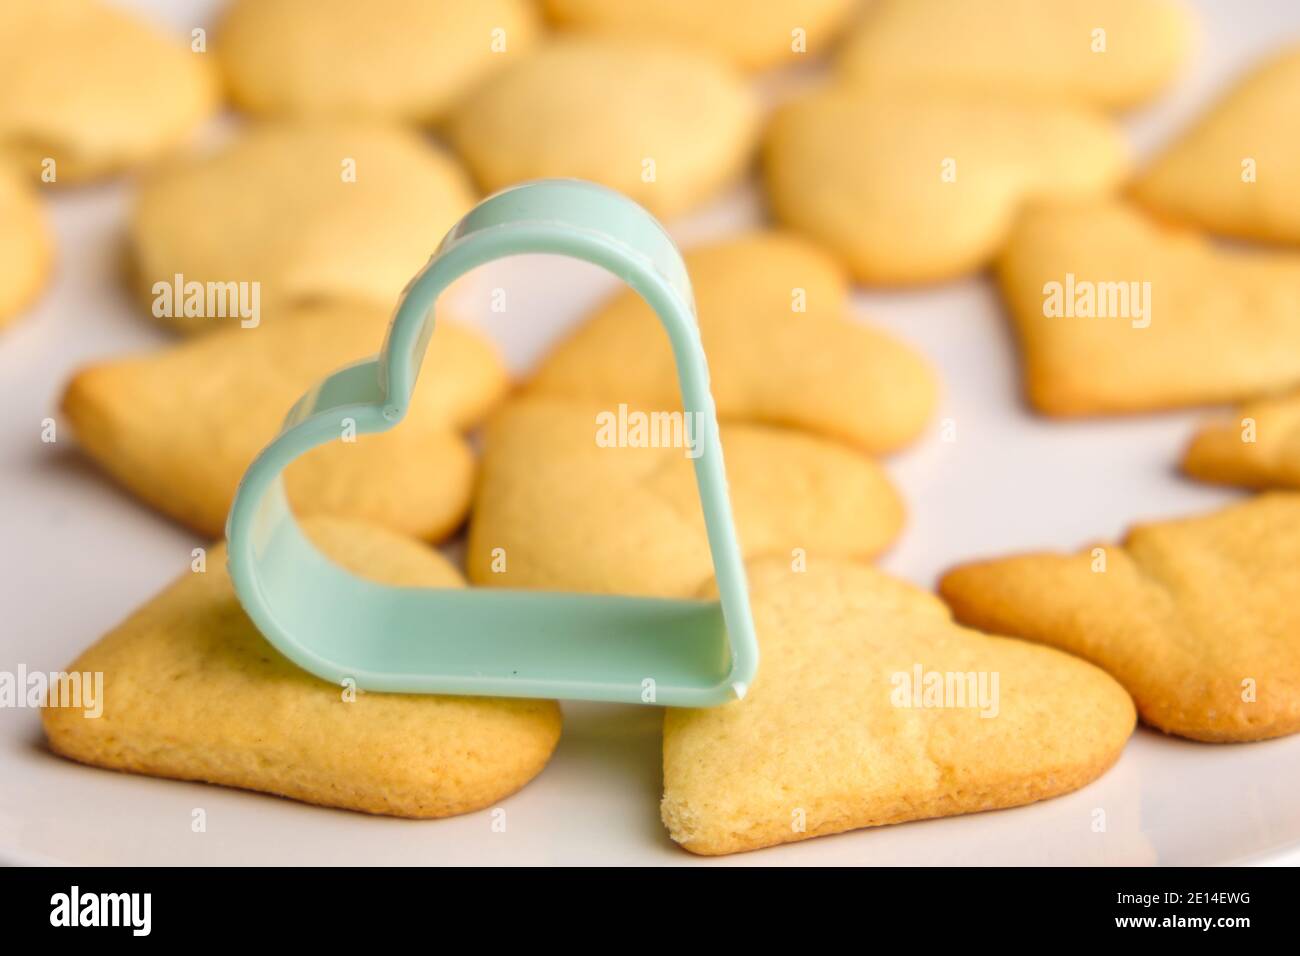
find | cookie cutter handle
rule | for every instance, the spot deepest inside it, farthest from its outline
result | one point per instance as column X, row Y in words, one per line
column 484, row 641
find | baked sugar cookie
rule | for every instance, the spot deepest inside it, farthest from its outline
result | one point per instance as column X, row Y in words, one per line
column 585, row 497
column 179, row 427
column 872, row 707
column 405, row 60
column 782, row 349
column 752, row 34
column 298, row 213
column 1235, row 171
column 1196, row 617
column 659, row 123
column 25, row 246
column 192, row 691
column 1116, row 313
column 1257, row 446
column 912, row 187
column 1109, row 53
column 89, row 89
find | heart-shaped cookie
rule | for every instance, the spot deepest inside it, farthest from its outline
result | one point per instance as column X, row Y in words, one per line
column 1234, row 172
column 580, row 497
column 1257, row 446
column 298, row 213
column 752, row 34
column 660, row 123
column 873, row 707
column 406, row 60
column 1196, row 617
column 782, row 346
column 1117, row 313
column 192, row 691
column 179, row 426
column 90, row 89
column 1109, row 53
column 910, row 187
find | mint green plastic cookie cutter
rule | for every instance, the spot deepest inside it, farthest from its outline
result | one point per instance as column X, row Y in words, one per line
column 485, row 641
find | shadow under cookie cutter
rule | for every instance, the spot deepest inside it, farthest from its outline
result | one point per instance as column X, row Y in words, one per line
column 484, row 641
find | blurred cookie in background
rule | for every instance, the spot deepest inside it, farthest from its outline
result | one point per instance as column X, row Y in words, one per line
column 750, row 34
column 1116, row 312
column 1112, row 54
column 400, row 60
column 26, row 247
column 908, row 188
column 782, row 345
column 1256, row 446
column 299, row 212
column 1237, row 170
column 665, row 125
column 87, row 89
column 179, row 426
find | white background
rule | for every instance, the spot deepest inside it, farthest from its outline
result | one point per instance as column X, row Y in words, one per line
column 76, row 555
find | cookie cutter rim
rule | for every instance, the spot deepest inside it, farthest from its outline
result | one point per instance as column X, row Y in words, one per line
column 485, row 641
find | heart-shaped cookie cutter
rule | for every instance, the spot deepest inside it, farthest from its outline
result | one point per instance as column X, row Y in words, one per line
column 484, row 641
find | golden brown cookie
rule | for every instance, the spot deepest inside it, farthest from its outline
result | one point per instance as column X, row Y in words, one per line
column 660, row 123
column 1116, row 313
column 1196, row 617
column 406, row 60
column 296, row 213
column 178, row 427
column 872, row 707
column 192, row 691
column 90, row 89
column 585, row 497
column 752, row 34
column 781, row 345
column 1257, row 446
column 1234, row 172
column 910, row 187
column 25, row 246
column 1109, row 53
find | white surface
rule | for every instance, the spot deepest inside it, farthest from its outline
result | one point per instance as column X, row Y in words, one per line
column 77, row 555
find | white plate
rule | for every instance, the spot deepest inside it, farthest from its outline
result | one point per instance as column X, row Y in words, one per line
column 78, row 555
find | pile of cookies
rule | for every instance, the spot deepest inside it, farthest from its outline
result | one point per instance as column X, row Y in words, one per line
column 918, row 155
